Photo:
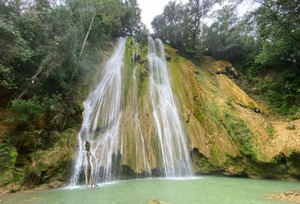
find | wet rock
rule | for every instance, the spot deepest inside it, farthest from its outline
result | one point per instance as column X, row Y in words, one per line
column 158, row 202
column 196, row 72
column 227, row 69
column 188, row 118
column 257, row 110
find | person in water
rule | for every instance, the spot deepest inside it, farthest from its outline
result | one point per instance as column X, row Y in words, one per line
column 89, row 167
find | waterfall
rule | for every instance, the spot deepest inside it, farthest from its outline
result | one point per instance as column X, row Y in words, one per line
column 172, row 138
column 101, row 120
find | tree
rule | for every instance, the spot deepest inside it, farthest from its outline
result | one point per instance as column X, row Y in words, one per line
column 279, row 32
column 225, row 38
column 197, row 9
column 180, row 26
column 44, row 43
column 170, row 25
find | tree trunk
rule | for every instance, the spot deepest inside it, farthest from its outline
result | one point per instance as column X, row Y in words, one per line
column 83, row 45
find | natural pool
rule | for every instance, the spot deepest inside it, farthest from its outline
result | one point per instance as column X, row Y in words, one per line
column 206, row 190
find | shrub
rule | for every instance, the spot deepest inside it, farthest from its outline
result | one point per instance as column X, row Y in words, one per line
column 26, row 111
column 8, row 156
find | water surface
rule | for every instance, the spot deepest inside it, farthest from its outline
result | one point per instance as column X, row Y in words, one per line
column 206, row 190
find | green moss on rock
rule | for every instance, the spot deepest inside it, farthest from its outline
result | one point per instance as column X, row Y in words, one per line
column 240, row 134
column 128, row 68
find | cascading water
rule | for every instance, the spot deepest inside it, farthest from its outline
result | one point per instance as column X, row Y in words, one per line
column 101, row 120
column 173, row 144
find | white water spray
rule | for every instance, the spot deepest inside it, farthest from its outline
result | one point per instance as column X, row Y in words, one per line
column 101, row 120
column 173, row 145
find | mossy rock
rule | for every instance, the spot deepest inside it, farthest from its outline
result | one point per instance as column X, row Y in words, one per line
column 240, row 134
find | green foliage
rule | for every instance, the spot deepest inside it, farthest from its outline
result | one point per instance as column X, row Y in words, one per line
column 46, row 51
column 280, row 90
column 51, row 163
column 198, row 109
column 27, row 111
column 227, row 38
column 46, row 45
column 278, row 38
column 240, row 134
column 279, row 32
column 128, row 64
column 270, row 131
column 180, row 26
column 8, row 156
column 13, row 47
column 7, row 78
column 229, row 102
column 142, row 36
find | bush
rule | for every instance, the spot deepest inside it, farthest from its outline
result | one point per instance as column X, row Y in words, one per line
column 27, row 111
column 8, row 156
column 7, row 77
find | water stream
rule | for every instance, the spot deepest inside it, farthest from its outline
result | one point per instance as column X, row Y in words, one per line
column 101, row 120
column 173, row 145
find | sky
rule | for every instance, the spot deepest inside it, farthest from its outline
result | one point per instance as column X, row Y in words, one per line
column 152, row 8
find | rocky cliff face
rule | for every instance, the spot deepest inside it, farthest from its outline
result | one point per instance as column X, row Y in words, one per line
column 228, row 131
